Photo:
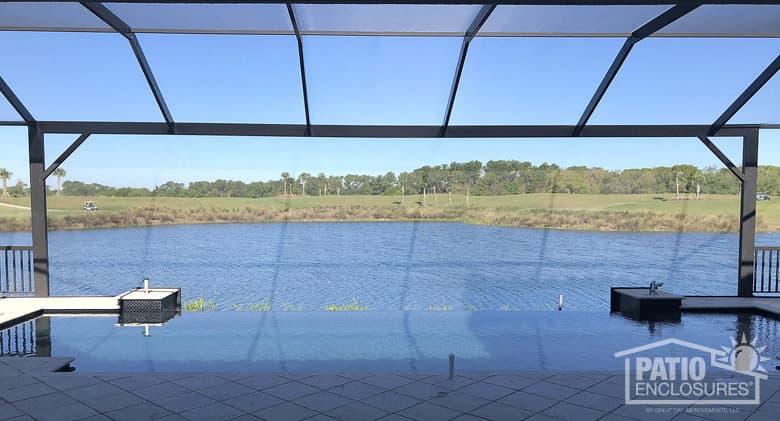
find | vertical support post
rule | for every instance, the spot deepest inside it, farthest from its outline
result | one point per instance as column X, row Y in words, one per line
column 40, row 228
column 43, row 337
column 747, row 214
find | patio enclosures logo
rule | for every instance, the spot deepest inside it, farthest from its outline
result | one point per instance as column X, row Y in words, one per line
column 673, row 371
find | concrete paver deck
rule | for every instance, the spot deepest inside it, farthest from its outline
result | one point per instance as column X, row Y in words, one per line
column 35, row 394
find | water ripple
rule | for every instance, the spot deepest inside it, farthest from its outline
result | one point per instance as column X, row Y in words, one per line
column 391, row 266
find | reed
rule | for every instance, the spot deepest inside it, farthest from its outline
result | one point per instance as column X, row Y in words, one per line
column 642, row 217
column 261, row 307
column 199, row 304
column 354, row 305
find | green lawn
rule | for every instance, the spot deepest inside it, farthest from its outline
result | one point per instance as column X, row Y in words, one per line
column 769, row 211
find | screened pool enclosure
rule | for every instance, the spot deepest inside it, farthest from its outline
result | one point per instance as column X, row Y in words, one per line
column 454, row 54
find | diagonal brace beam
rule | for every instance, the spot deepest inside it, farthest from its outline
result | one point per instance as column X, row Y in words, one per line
column 15, row 102
column 643, row 32
column 751, row 90
column 471, row 32
column 123, row 29
column 294, row 22
column 64, row 155
column 722, row 157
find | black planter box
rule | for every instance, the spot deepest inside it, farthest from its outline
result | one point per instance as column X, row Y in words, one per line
column 158, row 300
column 639, row 304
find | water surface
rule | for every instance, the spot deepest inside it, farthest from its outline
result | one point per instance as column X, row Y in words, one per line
column 389, row 266
column 389, row 341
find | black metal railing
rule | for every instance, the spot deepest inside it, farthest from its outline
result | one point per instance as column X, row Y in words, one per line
column 16, row 271
column 19, row 340
column 766, row 273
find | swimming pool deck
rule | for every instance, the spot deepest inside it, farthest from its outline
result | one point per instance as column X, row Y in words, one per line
column 17, row 309
column 29, row 392
column 31, row 389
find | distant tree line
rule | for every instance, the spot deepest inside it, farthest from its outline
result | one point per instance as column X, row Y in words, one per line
column 470, row 178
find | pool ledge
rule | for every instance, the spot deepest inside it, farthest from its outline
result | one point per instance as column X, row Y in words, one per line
column 766, row 306
column 15, row 310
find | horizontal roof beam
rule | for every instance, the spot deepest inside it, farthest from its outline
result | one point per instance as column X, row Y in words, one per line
column 449, row 2
column 310, row 32
column 377, row 131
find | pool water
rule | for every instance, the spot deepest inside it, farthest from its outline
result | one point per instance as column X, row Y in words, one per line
column 385, row 341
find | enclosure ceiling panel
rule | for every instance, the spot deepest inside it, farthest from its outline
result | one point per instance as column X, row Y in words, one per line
column 379, row 80
column 204, row 18
column 762, row 108
column 211, row 78
column 76, row 76
column 666, row 82
column 385, row 19
column 532, row 80
column 715, row 20
column 569, row 20
column 741, row 20
column 49, row 16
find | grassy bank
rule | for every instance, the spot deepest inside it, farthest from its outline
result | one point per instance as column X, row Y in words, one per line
column 557, row 211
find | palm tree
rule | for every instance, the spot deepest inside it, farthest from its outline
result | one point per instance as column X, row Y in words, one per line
column 699, row 178
column 4, row 176
column 303, row 178
column 60, row 173
column 677, row 175
column 285, row 177
column 403, row 179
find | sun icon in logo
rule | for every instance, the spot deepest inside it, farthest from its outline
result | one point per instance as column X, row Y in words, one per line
column 744, row 355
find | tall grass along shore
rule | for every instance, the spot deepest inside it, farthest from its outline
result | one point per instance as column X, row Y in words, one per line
column 631, row 213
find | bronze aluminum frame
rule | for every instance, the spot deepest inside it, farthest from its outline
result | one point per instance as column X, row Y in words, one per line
column 749, row 133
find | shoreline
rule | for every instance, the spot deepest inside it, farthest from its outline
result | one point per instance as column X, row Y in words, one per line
column 554, row 219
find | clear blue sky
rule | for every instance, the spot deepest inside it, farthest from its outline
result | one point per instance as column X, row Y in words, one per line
column 372, row 80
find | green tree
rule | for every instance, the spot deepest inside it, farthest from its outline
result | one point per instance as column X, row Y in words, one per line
column 169, row 189
column 19, row 189
column 467, row 173
column 336, row 182
column 322, row 184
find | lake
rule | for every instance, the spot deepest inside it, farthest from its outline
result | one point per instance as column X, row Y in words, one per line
column 389, row 265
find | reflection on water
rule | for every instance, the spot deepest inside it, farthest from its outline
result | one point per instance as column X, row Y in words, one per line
column 390, row 266
column 380, row 341
column 31, row 338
